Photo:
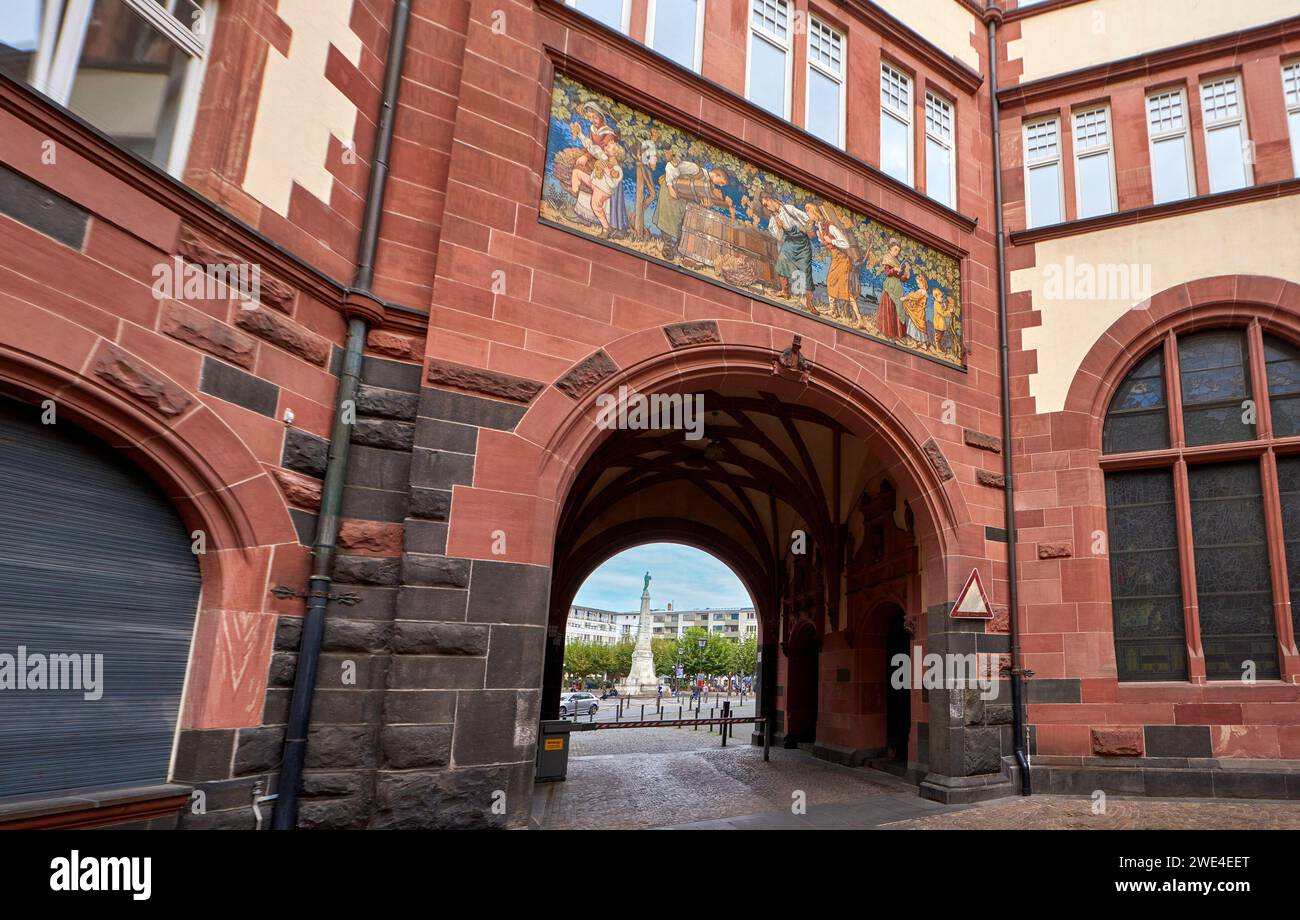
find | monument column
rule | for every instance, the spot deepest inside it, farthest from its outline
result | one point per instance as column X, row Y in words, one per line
column 641, row 679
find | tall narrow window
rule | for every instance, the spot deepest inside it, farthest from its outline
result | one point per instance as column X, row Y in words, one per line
column 1291, row 86
column 825, row 107
column 767, row 79
column 675, row 28
column 896, row 124
column 1206, row 545
column 1233, row 591
column 1094, row 170
column 1043, row 191
column 1288, row 480
column 1171, row 150
column 940, row 152
column 1145, row 579
column 613, row 13
column 1226, row 140
column 132, row 68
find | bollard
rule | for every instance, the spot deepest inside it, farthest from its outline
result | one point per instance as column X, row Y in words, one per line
column 643, row 712
column 726, row 714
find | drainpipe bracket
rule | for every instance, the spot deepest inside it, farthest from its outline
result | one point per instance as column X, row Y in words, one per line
column 365, row 305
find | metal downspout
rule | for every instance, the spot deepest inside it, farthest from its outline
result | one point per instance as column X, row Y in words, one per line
column 993, row 16
column 363, row 308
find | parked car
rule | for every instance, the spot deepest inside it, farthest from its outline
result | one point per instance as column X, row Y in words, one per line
column 578, row 704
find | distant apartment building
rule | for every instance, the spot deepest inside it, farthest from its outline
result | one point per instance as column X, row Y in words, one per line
column 736, row 623
column 607, row 627
column 590, row 624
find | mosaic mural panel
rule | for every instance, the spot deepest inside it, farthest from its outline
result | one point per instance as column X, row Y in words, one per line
column 626, row 179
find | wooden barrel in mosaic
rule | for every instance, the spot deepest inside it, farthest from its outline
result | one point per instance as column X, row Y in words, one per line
column 727, row 245
column 698, row 188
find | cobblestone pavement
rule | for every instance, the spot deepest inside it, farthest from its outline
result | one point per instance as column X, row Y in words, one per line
column 645, row 778
column 1050, row 812
column 683, row 779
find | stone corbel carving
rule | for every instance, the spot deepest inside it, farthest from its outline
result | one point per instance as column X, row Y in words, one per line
column 791, row 364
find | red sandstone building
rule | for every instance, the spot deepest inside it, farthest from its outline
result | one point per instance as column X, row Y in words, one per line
column 364, row 479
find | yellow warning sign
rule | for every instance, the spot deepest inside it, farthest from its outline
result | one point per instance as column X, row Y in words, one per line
column 553, row 744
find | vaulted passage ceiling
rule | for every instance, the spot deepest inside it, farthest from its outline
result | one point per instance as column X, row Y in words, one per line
column 763, row 469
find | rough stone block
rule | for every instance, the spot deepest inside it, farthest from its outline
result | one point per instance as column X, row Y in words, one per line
column 383, row 432
column 478, row 380
column 197, row 328
column 284, row 333
column 382, row 402
column 424, row 638
column 415, row 747
column 304, row 452
column 1117, row 742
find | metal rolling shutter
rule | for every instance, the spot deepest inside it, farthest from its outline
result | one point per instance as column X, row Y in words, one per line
column 93, row 560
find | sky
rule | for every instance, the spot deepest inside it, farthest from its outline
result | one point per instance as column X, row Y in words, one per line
column 688, row 577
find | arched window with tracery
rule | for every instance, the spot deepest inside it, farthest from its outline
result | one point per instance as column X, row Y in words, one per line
column 1201, row 453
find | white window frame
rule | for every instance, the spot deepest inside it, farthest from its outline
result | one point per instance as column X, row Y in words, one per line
column 1291, row 94
column 908, row 121
column 838, row 78
column 1209, row 127
column 626, row 17
column 1108, row 150
column 54, row 69
column 950, row 143
column 1031, row 165
column 787, row 47
column 1156, row 135
column 699, row 31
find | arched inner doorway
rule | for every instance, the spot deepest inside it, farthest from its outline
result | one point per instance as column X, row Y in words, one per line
column 801, row 687
column 898, row 700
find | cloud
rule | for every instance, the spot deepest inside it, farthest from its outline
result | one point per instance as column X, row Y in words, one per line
column 688, row 577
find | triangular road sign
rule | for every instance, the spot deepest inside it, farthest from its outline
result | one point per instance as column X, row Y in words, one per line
column 973, row 603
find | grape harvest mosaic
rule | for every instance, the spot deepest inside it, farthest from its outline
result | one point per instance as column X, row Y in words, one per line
column 624, row 178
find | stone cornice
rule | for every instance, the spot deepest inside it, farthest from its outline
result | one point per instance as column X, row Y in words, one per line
column 1158, row 212
column 1149, row 64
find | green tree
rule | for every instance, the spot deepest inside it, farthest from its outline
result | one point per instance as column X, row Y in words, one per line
column 665, row 652
column 711, row 659
column 744, row 657
column 581, row 660
column 620, row 664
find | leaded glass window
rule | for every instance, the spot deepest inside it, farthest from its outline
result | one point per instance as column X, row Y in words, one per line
column 1282, row 362
column 1232, row 577
column 1216, row 388
column 1191, row 450
column 1146, row 597
column 1139, row 416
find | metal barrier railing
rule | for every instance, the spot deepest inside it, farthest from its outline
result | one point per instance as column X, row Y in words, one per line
column 725, row 723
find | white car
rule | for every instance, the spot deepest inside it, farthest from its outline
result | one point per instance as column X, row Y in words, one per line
column 580, row 704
